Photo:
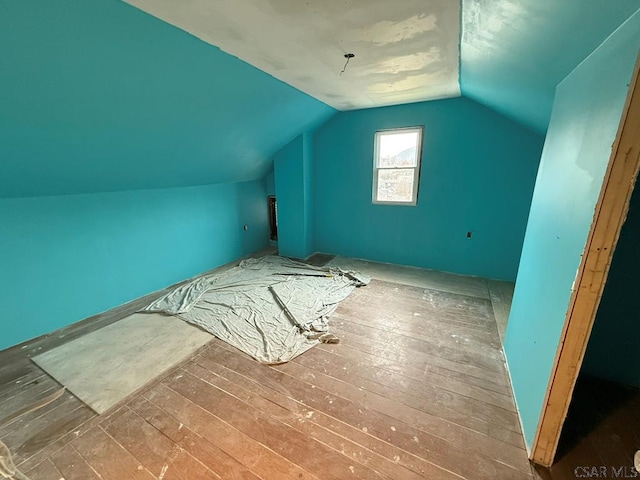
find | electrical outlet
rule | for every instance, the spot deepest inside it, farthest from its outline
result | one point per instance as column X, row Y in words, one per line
column 246, row 227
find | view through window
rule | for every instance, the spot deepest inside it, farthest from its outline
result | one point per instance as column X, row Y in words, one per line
column 396, row 166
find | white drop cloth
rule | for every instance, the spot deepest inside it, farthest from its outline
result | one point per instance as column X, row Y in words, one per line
column 239, row 307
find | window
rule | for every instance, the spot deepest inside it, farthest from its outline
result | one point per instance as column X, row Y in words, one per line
column 396, row 166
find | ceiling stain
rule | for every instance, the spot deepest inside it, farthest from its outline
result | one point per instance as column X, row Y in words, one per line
column 415, row 62
column 485, row 20
column 386, row 32
column 303, row 43
column 406, row 83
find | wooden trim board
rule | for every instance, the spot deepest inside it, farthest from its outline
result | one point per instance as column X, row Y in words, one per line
column 610, row 214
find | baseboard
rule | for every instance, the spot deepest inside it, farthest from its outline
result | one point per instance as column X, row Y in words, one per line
column 515, row 401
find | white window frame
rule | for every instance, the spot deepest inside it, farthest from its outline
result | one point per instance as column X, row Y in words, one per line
column 416, row 169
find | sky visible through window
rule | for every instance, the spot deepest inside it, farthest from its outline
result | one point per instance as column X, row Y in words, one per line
column 397, row 164
column 398, row 150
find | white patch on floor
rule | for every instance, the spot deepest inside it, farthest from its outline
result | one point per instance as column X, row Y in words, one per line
column 417, row 277
column 104, row 367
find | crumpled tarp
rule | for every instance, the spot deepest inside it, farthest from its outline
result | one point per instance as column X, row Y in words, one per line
column 271, row 308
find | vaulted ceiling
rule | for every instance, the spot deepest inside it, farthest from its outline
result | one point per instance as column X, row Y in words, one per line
column 405, row 51
column 515, row 52
column 511, row 53
column 98, row 95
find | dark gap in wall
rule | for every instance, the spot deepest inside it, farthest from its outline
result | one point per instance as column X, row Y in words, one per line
column 601, row 418
column 273, row 218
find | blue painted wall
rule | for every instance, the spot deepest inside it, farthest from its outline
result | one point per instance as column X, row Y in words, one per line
column 293, row 182
column 613, row 352
column 65, row 258
column 514, row 53
column 99, row 96
column 309, row 191
column 585, row 118
column 477, row 175
column 271, row 183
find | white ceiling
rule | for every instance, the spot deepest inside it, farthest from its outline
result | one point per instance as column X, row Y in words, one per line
column 405, row 51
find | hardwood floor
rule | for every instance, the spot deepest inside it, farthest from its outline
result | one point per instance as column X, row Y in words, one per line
column 416, row 388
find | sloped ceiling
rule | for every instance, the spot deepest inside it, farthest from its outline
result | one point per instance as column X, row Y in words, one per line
column 512, row 53
column 515, row 52
column 405, row 51
column 96, row 95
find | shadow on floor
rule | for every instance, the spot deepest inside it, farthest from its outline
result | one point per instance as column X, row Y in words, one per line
column 601, row 432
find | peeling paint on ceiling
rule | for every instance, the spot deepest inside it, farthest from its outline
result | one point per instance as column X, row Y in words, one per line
column 404, row 51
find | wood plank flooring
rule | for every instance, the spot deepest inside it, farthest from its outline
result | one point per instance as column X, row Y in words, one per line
column 501, row 294
column 415, row 389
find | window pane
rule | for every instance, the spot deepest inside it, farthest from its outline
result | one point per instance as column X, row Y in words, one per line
column 395, row 185
column 398, row 150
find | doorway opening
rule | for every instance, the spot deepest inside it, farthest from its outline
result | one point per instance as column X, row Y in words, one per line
column 273, row 218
